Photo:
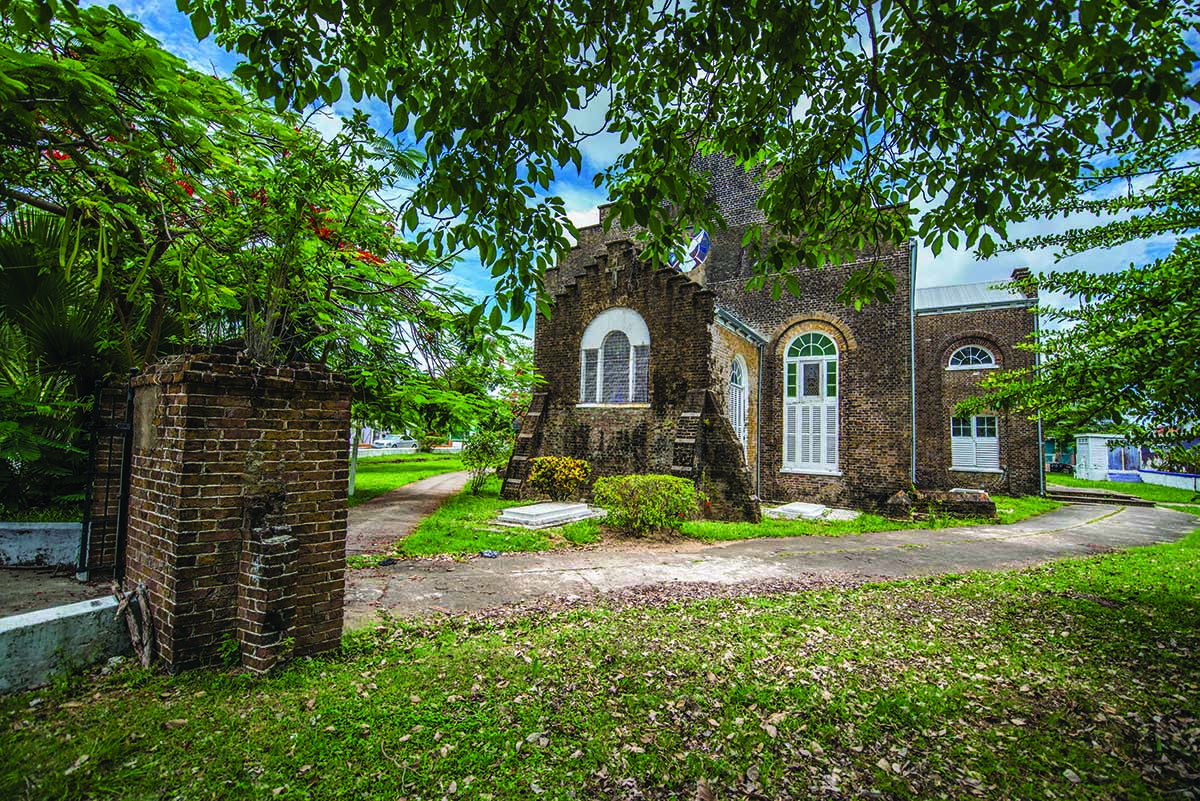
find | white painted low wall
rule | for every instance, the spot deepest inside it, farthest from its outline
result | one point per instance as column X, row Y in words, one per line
column 1188, row 481
column 370, row 453
column 39, row 544
column 37, row 646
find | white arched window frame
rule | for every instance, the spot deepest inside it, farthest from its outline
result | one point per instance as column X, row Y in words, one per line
column 614, row 359
column 971, row 357
column 810, row 405
column 737, row 401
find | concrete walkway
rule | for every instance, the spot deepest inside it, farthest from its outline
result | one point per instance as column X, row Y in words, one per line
column 374, row 526
column 424, row 587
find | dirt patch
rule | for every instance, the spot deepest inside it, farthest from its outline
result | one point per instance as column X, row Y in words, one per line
column 30, row 589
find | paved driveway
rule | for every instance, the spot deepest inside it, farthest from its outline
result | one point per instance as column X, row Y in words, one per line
column 423, row 587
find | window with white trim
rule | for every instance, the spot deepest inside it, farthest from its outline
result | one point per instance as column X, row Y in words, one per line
column 614, row 363
column 737, row 401
column 971, row 357
column 975, row 443
column 810, row 404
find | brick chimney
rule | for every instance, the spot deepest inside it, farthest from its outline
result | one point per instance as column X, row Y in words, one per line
column 1020, row 274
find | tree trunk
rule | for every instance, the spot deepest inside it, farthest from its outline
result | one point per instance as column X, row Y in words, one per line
column 358, row 429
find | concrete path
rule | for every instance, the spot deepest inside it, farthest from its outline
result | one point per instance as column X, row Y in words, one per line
column 373, row 527
column 424, row 587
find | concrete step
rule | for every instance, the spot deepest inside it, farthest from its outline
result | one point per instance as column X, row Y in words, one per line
column 1080, row 495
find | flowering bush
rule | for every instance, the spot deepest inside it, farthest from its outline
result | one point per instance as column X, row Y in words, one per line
column 638, row 505
column 560, row 477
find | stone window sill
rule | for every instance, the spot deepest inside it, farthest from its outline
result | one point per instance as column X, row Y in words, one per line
column 810, row 471
column 975, row 470
column 612, row 406
column 965, row 367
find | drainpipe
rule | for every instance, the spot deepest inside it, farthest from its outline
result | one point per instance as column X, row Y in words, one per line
column 758, row 426
column 912, row 354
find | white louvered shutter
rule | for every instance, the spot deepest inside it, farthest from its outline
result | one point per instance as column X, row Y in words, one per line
column 987, row 443
column 805, row 435
column 962, row 452
column 831, row 434
column 791, row 425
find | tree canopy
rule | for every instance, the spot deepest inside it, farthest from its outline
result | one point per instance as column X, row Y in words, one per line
column 147, row 206
column 978, row 110
column 1127, row 356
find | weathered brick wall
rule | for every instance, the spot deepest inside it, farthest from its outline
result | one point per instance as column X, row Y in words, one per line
column 940, row 390
column 725, row 477
column 733, row 190
column 875, row 367
column 728, row 345
column 875, row 411
column 238, row 507
column 625, row 438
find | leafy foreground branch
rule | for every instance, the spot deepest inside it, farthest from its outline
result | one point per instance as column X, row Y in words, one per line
column 1074, row 680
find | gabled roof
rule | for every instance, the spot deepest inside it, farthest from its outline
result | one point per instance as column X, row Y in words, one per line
column 962, row 297
column 740, row 326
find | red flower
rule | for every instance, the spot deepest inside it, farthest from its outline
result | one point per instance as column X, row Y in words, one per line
column 369, row 257
column 187, row 187
column 57, row 155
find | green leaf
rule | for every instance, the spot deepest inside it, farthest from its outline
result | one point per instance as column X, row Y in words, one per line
column 201, row 25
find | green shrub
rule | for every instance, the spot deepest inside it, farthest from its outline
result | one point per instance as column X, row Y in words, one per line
column 560, row 477
column 641, row 504
column 431, row 441
column 483, row 452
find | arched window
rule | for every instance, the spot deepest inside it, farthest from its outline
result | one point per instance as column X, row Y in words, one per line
column 614, row 362
column 971, row 357
column 737, row 400
column 810, row 404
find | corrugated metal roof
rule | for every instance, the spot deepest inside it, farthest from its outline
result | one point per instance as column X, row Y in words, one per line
column 983, row 294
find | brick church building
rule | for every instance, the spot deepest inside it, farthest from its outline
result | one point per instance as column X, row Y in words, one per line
column 686, row 372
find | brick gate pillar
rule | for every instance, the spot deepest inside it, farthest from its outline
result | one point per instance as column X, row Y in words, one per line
column 237, row 517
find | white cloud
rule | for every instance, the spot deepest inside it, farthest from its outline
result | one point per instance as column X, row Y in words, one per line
column 603, row 148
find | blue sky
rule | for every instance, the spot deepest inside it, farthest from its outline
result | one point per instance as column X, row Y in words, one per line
column 173, row 29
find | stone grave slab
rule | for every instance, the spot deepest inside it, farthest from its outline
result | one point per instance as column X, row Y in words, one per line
column 547, row 515
column 797, row 511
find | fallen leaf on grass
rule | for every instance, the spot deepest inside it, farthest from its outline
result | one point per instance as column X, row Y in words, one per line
column 703, row 793
column 175, row 724
column 79, row 763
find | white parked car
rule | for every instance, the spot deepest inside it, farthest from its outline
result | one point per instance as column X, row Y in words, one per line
column 394, row 442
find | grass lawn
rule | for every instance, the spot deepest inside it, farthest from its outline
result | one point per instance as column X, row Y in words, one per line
column 1074, row 680
column 63, row 513
column 466, row 525
column 1151, row 492
column 382, row 474
column 1010, row 510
